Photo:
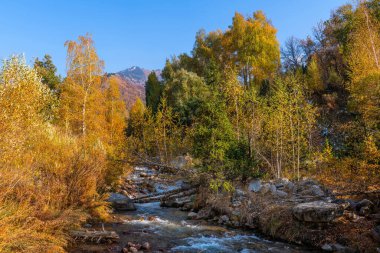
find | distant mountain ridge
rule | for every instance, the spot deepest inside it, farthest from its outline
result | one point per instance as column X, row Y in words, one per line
column 137, row 75
column 132, row 83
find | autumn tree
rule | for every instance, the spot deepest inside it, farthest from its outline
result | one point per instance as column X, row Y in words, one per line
column 289, row 125
column 167, row 133
column 253, row 47
column 364, row 63
column 83, row 111
column 42, row 171
column 115, row 115
column 20, row 85
column 115, row 112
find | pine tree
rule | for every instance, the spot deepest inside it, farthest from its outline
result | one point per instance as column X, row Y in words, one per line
column 48, row 72
column 153, row 89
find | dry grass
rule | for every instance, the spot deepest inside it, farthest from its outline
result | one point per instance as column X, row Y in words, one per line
column 349, row 174
column 49, row 192
column 275, row 219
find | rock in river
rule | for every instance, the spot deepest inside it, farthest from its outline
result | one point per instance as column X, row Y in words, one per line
column 121, row 202
column 254, row 185
column 317, row 211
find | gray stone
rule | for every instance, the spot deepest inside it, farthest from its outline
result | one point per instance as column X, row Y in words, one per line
column 327, row 247
column 273, row 188
column 317, row 191
column 205, row 213
column 280, row 194
column 290, row 186
column 307, row 182
column 265, row 188
column 175, row 202
column 240, row 193
column 191, row 215
column 317, row 212
column 121, row 202
column 223, row 219
column 255, row 185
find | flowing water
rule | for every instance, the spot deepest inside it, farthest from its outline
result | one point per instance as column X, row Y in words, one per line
column 168, row 230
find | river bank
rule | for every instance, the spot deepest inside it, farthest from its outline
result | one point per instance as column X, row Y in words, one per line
column 249, row 219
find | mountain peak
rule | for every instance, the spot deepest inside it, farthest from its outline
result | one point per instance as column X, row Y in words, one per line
column 137, row 75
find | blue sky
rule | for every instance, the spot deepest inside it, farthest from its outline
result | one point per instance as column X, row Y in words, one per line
column 139, row 32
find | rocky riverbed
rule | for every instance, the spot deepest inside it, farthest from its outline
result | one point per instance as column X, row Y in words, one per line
column 301, row 212
column 160, row 212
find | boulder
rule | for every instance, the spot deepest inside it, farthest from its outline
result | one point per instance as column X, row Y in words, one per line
column 191, row 215
column 265, row 188
column 272, row 189
column 317, row 191
column 176, row 202
column 240, row 193
column 223, row 219
column 317, row 212
column 327, row 247
column 254, row 185
column 121, row 203
column 290, row 186
column 280, row 194
column 205, row 213
column 307, row 182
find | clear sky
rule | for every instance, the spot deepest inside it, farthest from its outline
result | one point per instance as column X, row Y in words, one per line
column 139, row 32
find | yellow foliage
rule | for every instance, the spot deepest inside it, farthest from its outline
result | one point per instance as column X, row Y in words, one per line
column 47, row 179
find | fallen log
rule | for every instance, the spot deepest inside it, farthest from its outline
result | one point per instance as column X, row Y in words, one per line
column 94, row 236
column 167, row 193
column 167, row 196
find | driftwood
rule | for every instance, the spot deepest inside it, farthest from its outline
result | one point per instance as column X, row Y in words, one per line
column 161, row 193
column 166, row 195
column 94, row 236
